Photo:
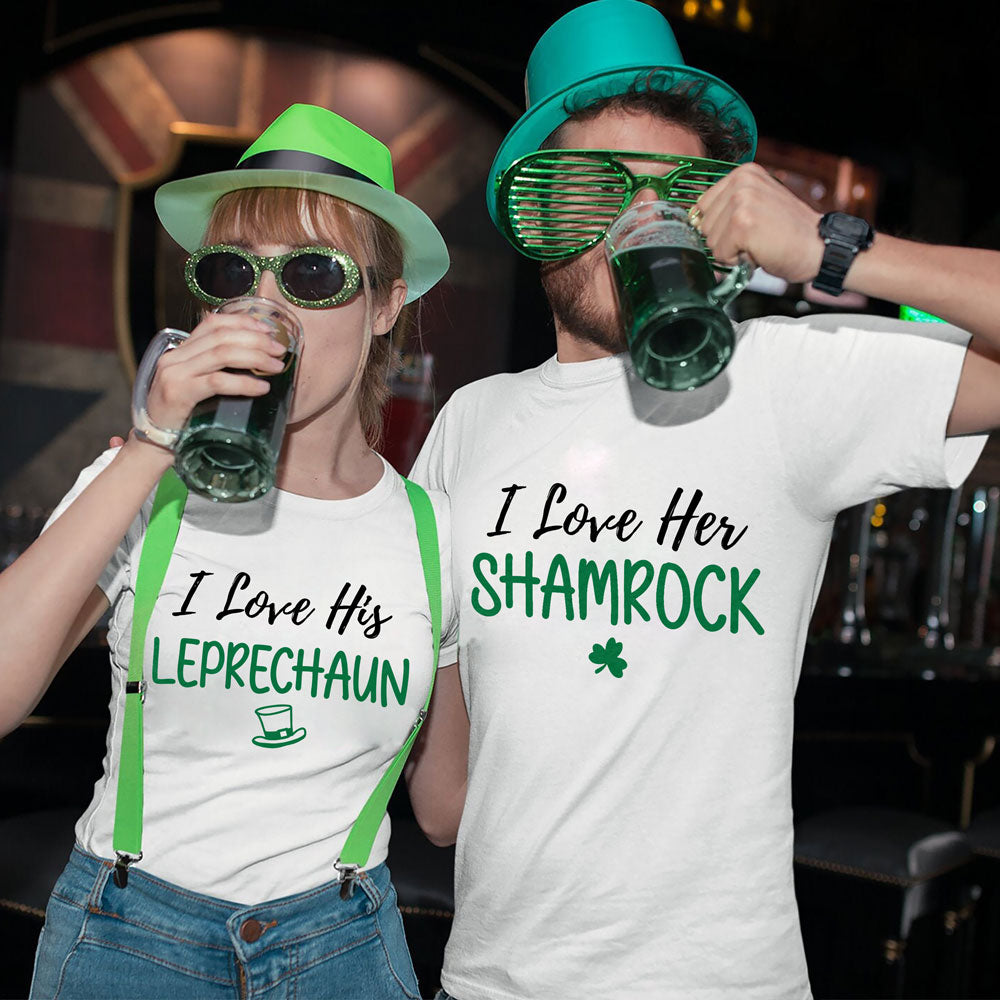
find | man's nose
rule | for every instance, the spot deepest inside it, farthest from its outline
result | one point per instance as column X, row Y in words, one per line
column 647, row 193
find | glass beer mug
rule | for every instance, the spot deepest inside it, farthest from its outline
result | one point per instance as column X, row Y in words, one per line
column 677, row 332
column 228, row 448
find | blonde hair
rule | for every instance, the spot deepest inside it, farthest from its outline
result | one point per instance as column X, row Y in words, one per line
column 296, row 217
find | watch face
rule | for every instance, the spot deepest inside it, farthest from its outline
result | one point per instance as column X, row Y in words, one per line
column 849, row 227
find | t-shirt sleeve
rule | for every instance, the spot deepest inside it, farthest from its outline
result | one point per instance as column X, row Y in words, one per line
column 449, row 608
column 115, row 575
column 860, row 406
column 430, row 469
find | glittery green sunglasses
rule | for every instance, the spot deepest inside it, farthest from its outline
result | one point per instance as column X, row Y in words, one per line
column 559, row 202
column 310, row 277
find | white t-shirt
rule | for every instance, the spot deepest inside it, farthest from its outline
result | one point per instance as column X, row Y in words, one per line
column 635, row 572
column 287, row 658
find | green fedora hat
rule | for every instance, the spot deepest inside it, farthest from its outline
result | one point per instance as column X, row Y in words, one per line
column 316, row 150
column 600, row 50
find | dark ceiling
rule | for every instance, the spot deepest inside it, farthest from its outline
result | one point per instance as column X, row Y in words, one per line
column 908, row 87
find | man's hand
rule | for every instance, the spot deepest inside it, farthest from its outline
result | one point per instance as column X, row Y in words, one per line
column 749, row 211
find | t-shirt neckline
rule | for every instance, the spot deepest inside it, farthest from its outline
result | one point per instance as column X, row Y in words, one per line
column 568, row 375
column 351, row 507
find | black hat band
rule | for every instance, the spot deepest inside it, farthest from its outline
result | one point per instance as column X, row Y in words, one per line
column 294, row 159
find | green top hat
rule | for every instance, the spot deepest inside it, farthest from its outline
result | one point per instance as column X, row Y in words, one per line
column 314, row 149
column 595, row 51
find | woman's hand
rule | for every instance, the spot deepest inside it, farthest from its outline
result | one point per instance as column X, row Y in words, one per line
column 215, row 360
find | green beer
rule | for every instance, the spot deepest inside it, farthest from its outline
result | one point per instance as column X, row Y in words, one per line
column 677, row 339
column 228, row 448
column 671, row 308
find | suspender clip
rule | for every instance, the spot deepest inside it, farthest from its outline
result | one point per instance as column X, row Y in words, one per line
column 121, row 866
column 347, row 875
column 136, row 687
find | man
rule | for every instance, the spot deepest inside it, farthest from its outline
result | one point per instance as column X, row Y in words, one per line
column 636, row 568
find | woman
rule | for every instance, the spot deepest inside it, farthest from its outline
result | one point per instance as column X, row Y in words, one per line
column 289, row 651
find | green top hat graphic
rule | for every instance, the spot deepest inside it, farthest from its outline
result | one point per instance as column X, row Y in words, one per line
column 600, row 50
column 316, row 150
column 276, row 721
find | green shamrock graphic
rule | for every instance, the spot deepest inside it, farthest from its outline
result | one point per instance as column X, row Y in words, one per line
column 607, row 656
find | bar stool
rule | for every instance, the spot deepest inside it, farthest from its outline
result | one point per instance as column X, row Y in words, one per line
column 864, row 878
column 984, row 836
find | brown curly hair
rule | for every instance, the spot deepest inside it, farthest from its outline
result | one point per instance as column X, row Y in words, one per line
column 686, row 104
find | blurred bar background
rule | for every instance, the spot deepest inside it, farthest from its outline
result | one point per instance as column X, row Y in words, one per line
column 881, row 109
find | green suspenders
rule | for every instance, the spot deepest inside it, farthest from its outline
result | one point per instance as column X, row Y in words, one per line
column 157, row 548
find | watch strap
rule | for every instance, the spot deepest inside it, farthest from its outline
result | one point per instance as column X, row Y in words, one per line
column 837, row 258
column 839, row 252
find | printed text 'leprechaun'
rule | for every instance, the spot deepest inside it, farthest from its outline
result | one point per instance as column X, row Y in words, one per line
column 264, row 669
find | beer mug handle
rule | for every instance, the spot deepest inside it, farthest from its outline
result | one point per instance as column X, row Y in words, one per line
column 145, row 429
column 733, row 283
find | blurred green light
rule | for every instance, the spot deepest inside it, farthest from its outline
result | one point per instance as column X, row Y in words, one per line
column 918, row 315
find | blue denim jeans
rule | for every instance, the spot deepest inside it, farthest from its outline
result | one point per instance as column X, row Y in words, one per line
column 155, row 939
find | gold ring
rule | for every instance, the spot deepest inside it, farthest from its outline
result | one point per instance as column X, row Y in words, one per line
column 694, row 217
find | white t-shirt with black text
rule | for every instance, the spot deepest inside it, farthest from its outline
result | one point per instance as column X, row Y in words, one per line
column 286, row 661
column 635, row 571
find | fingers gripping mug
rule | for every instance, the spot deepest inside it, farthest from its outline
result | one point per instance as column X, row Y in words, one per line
column 677, row 332
column 228, row 448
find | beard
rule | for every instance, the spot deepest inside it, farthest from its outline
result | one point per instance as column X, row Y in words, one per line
column 571, row 288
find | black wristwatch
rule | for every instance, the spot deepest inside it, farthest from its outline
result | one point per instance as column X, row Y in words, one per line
column 845, row 237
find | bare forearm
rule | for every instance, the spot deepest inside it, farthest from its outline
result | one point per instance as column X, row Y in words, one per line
column 45, row 592
column 47, row 597
column 750, row 212
column 959, row 284
column 438, row 802
column 436, row 774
